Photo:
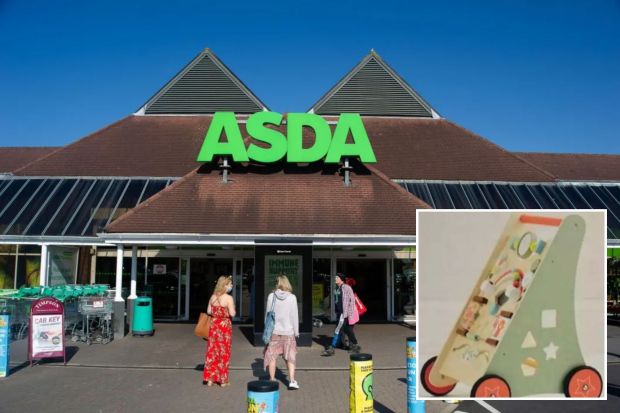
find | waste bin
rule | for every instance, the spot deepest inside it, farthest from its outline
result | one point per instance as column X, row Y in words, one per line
column 142, row 324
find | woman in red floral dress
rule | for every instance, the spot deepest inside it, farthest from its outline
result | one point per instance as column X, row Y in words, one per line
column 217, row 357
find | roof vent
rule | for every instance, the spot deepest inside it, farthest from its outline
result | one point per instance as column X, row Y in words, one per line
column 372, row 88
column 204, row 86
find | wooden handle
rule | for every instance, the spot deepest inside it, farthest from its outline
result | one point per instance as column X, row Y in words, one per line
column 535, row 219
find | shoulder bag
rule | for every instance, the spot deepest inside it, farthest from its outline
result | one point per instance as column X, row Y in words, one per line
column 204, row 325
column 270, row 322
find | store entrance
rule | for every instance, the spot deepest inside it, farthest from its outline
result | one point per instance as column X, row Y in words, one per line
column 371, row 284
column 204, row 273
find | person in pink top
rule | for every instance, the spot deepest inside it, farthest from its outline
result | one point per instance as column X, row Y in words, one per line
column 346, row 314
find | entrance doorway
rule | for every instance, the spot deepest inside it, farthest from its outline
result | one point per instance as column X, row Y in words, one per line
column 371, row 284
column 204, row 273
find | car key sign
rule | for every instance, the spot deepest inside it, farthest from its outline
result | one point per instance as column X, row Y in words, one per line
column 46, row 337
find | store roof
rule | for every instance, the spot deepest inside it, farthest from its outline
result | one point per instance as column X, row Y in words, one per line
column 204, row 86
column 309, row 200
column 373, row 88
column 507, row 195
column 577, row 166
column 12, row 158
column 134, row 146
column 68, row 207
column 406, row 148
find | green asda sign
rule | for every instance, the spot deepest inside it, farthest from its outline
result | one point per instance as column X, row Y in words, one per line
column 260, row 126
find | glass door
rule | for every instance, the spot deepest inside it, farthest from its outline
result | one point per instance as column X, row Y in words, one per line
column 184, row 290
column 163, row 281
column 203, row 276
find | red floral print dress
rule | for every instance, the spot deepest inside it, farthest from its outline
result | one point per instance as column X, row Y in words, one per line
column 217, row 356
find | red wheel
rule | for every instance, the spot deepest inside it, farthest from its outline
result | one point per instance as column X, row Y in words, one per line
column 425, row 375
column 489, row 386
column 583, row 381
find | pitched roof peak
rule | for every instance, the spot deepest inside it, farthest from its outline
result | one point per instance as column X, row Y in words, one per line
column 205, row 85
column 373, row 88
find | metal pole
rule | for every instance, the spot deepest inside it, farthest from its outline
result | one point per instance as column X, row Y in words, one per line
column 119, row 303
column 225, row 168
column 43, row 270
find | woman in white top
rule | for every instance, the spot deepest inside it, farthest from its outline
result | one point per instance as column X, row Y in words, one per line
column 286, row 329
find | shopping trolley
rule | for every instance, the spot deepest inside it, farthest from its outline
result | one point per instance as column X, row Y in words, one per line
column 96, row 322
column 516, row 335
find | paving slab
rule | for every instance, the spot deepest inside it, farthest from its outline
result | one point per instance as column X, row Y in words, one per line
column 78, row 389
column 174, row 346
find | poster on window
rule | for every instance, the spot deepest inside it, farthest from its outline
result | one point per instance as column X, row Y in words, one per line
column 46, row 338
column 5, row 343
column 289, row 265
column 63, row 265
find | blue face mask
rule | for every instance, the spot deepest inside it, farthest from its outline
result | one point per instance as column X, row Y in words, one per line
column 229, row 289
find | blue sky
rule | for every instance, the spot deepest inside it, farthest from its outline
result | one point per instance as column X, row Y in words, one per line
column 528, row 75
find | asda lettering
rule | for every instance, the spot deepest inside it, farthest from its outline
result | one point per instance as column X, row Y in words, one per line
column 330, row 148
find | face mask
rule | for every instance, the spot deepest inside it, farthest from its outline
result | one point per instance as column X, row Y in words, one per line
column 229, row 289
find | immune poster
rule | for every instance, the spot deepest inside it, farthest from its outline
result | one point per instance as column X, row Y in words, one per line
column 289, row 265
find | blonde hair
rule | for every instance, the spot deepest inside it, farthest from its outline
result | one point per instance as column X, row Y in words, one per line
column 282, row 283
column 222, row 282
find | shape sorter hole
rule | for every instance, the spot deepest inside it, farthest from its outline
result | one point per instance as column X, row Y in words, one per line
column 548, row 318
column 501, row 298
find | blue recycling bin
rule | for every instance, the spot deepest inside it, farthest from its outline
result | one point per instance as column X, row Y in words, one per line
column 142, row 324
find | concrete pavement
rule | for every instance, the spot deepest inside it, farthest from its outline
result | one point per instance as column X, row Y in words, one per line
column 163, row 373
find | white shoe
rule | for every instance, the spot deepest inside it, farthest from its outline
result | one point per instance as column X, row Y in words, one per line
column 292, row 385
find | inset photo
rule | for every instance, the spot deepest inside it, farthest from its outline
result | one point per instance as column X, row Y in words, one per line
column 511, row 303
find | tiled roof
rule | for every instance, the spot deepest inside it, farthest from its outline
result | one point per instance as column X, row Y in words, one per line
column 437, row 149
column 577, row 166
column 12, row 158
column 406, row 148
column 293, row 201
column 133, row 146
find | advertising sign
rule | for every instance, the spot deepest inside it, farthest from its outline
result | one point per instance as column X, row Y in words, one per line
column 159, row 269
column 5, row 343
column 413, row 405
column 318, row 292
column 63, row 264
column 46, row 331
column 289, row 265
column 348, row 140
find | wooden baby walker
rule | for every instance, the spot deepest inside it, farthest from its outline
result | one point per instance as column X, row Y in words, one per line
column 516, row 335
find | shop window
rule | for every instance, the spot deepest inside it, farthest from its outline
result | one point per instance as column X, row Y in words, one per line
column 404, row 288
column 105, row 273
column 321, row 288
column 7, row 271
column 28, row 270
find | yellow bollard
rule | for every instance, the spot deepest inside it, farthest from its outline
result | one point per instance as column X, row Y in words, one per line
column 361, row 384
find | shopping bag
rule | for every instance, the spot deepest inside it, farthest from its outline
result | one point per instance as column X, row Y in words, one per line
column 361, row 308
column 270, row 322
column 203, row 326
column 355, row 317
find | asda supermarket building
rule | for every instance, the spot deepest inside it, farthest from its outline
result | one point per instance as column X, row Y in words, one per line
column 129, row 205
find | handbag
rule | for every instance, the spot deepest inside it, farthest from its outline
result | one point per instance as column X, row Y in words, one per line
column 203, row 326
column 359, row 305
column 270, row 322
